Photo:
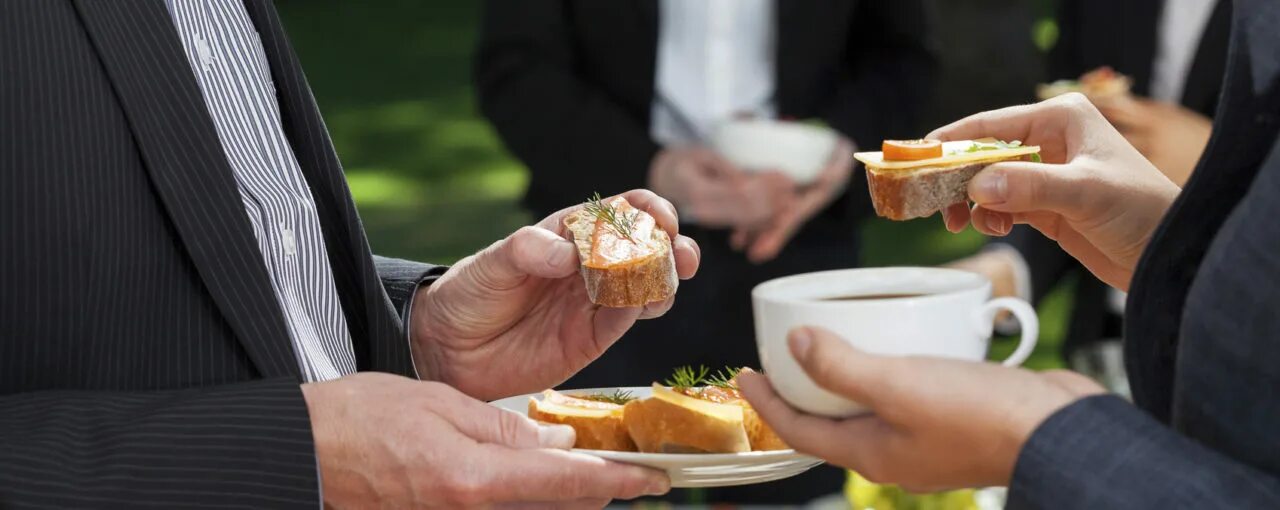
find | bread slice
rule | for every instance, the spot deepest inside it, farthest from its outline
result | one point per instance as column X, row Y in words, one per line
column 670, row 422
column 599, row 425
column 904, row 190
column 623, row 267
column 759, row 434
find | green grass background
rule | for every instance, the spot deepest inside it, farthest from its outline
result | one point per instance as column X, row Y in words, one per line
column 432, row 181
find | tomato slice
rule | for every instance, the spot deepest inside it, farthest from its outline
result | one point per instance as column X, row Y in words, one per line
column 911, row 150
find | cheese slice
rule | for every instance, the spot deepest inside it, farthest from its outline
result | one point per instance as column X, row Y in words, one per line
column 560, row 409
column 953, row 154
column 725, row 412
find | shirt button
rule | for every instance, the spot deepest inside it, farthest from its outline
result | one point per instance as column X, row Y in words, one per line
column 204, row 52
column 288, row 241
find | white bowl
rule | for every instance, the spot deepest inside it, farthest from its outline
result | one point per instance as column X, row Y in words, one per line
column 798, row 150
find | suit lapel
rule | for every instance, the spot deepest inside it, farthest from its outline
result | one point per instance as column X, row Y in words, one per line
column 179, row 146
column 376, row 331
column 1204, row 80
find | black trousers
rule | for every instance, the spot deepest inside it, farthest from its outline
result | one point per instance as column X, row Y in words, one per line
column 711, row 324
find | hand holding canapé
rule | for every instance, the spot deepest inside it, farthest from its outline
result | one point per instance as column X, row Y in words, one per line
column 1094, row 193
column 517, row 317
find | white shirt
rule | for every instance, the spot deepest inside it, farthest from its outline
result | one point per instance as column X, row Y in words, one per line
column 715, row 61
column 230, row 66
column 1182, row 24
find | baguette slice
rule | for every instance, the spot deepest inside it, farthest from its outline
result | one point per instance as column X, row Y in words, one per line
column 599, row 425
column 623, row 271
column 670, row 422
column 904, row 190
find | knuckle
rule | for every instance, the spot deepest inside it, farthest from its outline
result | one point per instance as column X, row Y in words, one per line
column 463, row 490
column 513, row 429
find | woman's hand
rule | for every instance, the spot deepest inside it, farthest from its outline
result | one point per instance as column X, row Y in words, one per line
column 937, row 424
column 1095, row 194
column 515, row 318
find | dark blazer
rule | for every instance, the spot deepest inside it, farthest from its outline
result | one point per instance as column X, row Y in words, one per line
column 143, row 358
column 1122, row 35
column 569, row 84
column 1202, row 332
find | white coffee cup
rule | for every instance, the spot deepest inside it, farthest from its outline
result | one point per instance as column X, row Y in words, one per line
column 798, row 150
column 898, row 311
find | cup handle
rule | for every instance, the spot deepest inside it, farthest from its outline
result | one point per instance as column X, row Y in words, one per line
column 1027, row 319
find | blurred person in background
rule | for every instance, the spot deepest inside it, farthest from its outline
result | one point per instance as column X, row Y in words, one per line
column 603, row 96
column 1175, row 51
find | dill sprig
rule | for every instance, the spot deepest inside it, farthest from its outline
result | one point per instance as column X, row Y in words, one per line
column 620, row 397
column 687, row 377
column 724, row 378
column 623, row 224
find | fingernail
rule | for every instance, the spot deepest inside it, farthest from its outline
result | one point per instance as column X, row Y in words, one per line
column 561, row 254
column 996, row 223
column 657, row 487
column 556, row 436
column 801, row 338
column 989, row 188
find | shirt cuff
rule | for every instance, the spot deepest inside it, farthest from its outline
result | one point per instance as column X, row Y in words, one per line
column 407, row 313
column 1021, row 281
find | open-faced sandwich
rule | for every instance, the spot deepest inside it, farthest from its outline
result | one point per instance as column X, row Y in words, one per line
column 916, row 178
column 626, row 257
column 693, row 413
column 1100, row 83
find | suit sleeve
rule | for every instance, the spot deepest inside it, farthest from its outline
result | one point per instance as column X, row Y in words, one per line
column 888, row 75
column 401, row 279
column 244, row 445
column 573, row 137
column 1102, row 452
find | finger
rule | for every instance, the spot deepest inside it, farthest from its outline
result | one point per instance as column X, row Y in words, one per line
column 990, row 222
column 530, row 251
column 738, row 239
column 658, row 309
column 688, row 257
column 487, row 424
column 859, row 437
column 721, row 168
column 956, row 217
column 556, row 475
column 840, row 368
column 663, row 212
column 769, row 243
column 1020, row 186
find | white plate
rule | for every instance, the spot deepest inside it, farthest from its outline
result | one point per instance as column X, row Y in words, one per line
column 692, row 469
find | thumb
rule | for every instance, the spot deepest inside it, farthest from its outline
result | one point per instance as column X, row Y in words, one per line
column 838, row 367
column 530, row 251
column 1019, row 186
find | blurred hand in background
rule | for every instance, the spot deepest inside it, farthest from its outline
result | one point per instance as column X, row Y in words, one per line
column 798, row 206
column 1171, row 136
column 712, row 192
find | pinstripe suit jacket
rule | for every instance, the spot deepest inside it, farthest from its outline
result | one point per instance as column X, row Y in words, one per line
column 1202, row 330
column 143, row 357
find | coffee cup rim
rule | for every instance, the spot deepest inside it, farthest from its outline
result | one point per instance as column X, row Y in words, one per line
column 763, row 290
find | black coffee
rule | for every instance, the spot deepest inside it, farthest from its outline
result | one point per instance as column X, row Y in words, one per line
column 870, row 297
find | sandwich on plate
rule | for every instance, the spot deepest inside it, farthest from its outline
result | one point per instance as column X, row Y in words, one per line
column 695, row 412
column 916, row 178
column 626, row 257
column 1101, row 83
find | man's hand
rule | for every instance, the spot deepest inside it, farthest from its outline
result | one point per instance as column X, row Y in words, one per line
column 765, row 242
column 1095, row 194
column 714, row 192
column 1171, row 136
column 515, row 318
column 937, row 424
column 392, row 442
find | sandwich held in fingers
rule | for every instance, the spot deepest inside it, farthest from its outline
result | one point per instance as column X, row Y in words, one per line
column 627, row 260
column 916, row 178
column 694, row 413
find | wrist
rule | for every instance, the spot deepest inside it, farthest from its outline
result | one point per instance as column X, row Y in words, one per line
column 422, row 337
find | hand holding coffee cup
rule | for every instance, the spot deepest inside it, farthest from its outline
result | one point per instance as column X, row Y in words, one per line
column 887, row 311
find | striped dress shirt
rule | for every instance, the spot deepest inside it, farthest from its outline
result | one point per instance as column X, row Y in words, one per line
column 230, row 65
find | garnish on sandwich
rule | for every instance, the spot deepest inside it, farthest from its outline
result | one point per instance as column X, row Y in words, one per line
column 618, row 397
column 904, row 189
column 626, row 258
